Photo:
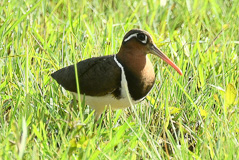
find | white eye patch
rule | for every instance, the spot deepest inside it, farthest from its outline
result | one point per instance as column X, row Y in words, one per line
column 131, row 36
column 135, row 35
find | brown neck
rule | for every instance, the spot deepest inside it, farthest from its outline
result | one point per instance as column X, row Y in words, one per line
column 138, row 70
column 134, row 59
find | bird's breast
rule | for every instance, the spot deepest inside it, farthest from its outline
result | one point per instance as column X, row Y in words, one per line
column 140, row 80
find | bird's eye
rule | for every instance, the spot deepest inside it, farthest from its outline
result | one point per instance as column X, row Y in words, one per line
column 141, row 36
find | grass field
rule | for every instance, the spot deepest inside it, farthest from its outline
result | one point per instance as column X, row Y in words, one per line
column 194, row 116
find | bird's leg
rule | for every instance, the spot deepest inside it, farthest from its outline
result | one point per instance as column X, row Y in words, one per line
column 71, row 104
column 96, row 121
column 71, row 108
column 97, row 116
column 73, row 101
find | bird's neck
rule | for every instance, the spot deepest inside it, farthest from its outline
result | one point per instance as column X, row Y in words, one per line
column 135, row 61
column 139, row 72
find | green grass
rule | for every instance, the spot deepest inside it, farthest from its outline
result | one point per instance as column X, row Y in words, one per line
column 194, row 116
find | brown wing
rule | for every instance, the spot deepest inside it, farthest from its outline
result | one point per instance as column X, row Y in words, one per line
column 97, row 76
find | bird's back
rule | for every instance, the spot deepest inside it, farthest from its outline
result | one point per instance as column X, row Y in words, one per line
column 97, row 76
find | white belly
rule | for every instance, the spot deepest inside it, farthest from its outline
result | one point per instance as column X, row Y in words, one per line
column 99, row 104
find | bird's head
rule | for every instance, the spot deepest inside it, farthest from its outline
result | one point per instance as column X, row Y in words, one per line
column 140, row 42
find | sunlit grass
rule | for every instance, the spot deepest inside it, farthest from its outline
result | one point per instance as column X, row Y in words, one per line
column 194, row 116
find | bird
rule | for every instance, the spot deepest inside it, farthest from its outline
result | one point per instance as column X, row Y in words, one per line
column 117, row 80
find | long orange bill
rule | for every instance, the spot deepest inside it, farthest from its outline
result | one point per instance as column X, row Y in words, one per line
column 160, row 54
